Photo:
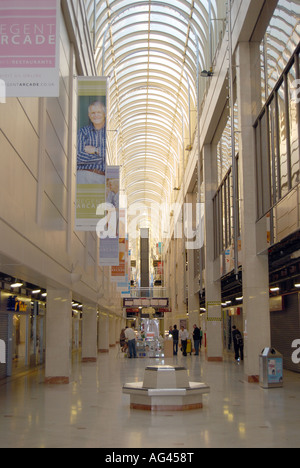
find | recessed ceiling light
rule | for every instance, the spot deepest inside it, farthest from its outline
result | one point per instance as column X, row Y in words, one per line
column 16, row 285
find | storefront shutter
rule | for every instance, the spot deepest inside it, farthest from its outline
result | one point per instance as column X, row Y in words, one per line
column 285, row 328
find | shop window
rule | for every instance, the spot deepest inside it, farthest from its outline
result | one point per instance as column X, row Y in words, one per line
column 274, row 152
column 258, row 169
column 279, row 43
column 277, row 133
column 283, row 147
column 263, row 164
column 223, row 214
column 224, row 148
column 293, row 116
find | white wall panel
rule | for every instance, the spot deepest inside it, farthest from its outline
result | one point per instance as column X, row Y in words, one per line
column 55, row 151
column 16, row 185
column 19, row 131
column 37, row 186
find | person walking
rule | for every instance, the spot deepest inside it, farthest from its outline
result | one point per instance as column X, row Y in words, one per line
column 130, row 336
column 183, row 335
column 196, row 337
column 238, row 343
column 175, row 334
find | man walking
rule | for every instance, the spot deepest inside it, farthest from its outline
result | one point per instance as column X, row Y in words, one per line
column 196, row 337
column 175, row 334
column 130, row 336
column 238, row 342
column 183, row 335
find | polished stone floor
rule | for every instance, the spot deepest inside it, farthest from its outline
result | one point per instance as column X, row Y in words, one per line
column 93, row 412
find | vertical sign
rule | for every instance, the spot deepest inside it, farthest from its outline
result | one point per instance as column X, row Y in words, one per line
column 91, row 152
column 118, row 273
column 124, row 286
column 29, row 47
column 109, row 238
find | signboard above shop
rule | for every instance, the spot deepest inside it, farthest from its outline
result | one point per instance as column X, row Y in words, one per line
column 29, row 48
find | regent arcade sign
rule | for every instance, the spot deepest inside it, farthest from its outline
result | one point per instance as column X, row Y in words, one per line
column 29, row 48
column 27, row 34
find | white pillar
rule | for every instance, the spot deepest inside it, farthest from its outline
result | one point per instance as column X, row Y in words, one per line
column 193, row 297
column 118, row 330
column 214, row 348
column 255, row 267
column 103, row 333
column 58, row 336
column 112, row 331
column 89, row 333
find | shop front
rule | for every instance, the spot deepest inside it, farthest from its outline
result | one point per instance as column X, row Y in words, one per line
column 22, row 333
column 233, row 316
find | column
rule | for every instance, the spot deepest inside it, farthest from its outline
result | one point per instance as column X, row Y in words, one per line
column 89, row 333
column 172, row 279
column 193, row 298
column 112, row 331
column 103, row 333
column 145, row 258
column 255, row 267
column 58, row 336
column 212, row 266
column 194, row 314
column 193, row 301
column 118, row 329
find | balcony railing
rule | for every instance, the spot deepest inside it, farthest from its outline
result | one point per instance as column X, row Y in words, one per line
column 150, row 292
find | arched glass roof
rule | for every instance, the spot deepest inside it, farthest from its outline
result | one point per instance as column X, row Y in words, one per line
column 152, row 51
column 282, row 37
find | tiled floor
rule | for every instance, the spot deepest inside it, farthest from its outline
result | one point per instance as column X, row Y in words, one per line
column 93, row 412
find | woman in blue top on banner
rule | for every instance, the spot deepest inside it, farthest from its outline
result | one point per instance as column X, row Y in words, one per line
column 91, row 148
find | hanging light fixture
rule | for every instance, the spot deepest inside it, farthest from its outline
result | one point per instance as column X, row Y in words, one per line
column 17, row 284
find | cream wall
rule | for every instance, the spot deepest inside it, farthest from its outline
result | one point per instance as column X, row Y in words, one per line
column 37, row 182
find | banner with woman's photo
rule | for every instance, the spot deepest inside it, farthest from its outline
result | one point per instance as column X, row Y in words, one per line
column 91, row 152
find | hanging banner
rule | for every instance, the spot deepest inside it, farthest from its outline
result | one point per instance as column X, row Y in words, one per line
column 91, row 152
column 109, row 239
column 118, row 273
column 29, row 47
column 124, row 287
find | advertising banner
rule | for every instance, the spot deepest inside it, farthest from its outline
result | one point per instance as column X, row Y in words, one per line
column 91, row 152
column 118, row 273
column 109, row 238
column 124, row 286
column 29, row 47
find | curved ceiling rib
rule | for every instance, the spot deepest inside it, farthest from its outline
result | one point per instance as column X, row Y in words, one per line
column 149, row 49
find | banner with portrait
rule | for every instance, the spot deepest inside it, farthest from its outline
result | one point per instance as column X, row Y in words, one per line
column 91, row 152
column 29, row 48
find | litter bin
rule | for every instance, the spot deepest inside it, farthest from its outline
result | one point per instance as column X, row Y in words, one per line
column 271, row 368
